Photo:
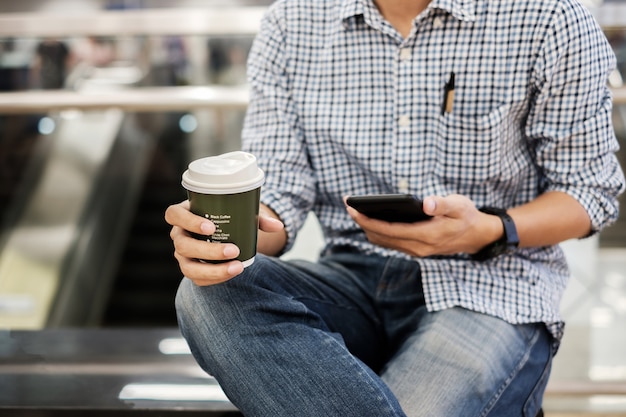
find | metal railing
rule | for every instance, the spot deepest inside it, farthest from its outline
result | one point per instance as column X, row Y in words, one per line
column 236, row 20
column 130, row 99
column 216, row 20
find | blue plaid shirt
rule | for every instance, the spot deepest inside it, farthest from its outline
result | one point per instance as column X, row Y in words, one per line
column 341, row 104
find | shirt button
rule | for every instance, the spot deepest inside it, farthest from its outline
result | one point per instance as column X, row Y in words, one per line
column 438, row 22
column 404, row 120
column 403, row 185
column 405, row 54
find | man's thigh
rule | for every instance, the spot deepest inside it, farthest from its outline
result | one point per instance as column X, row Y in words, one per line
column 334, row 294
column 462, row 363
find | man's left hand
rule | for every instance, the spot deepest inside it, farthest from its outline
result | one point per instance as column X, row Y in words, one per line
column 456, row 227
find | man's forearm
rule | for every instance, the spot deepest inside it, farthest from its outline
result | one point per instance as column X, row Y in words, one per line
column 550, row 219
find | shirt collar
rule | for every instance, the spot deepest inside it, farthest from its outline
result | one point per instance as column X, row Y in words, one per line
column 351, row 8
column 461, row 9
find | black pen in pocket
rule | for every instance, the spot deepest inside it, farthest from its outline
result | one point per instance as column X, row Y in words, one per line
column 448, row 96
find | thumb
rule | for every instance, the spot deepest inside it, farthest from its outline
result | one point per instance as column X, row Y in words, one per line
column 270, row 224
column 453, row 205
column 433, row 206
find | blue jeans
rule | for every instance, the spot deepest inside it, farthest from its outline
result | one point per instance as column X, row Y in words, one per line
column 351, row 336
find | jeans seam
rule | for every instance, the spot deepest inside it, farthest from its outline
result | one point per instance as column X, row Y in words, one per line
column 507, row 382
column 541, row 381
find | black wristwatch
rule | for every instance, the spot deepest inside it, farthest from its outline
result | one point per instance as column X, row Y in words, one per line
column 508, row 242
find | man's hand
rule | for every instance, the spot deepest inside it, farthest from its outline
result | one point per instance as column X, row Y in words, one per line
column 456, row 227
column 188, row 250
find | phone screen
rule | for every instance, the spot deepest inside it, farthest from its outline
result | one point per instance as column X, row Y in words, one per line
column 401, row 208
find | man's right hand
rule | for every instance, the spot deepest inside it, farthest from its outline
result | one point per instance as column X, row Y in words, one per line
column 188, row 250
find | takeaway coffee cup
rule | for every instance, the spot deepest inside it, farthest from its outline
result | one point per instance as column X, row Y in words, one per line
column 226, row 190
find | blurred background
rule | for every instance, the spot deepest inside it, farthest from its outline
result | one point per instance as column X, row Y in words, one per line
column 103, row 104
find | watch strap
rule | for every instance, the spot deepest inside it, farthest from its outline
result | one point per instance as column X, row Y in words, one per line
column 508, row 241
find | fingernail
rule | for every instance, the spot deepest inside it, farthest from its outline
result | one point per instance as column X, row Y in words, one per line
column 235, row 268
column 207, row 228
column 429, row 205
column 231, row 251
column 275, row 220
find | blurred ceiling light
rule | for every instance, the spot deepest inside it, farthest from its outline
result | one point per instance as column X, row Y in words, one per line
column 71, row 114
column 16, row 304
column 174, row 346
column 601, row 317
column 46, row 125
column 607, row 373
column 608, row 401
column 173, row 392
column 188, row 123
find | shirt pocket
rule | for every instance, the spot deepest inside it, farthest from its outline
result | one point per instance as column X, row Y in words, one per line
column 469, row 148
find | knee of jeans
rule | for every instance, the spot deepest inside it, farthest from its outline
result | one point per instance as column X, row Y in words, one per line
column 194, row 322
column 216, row 305
column 196, row 305
column 204, row 315
column 218, row 309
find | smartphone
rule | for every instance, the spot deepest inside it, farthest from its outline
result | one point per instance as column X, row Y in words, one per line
column 401, row 208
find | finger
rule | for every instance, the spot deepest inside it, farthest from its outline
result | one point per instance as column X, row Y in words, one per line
column 453, row 205
column 429, row 205
column 179, row 215
column 376, row 225
column 362, row 219
column 436, row 206
column 190, row 247
column 406, row 245
column 204, row 274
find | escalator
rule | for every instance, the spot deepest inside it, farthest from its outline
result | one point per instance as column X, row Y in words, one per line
column 87, row 276
column 68, row 220
column 83, row 241
column 145, row 284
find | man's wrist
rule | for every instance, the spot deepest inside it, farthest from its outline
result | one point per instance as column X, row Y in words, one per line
column 493, row 231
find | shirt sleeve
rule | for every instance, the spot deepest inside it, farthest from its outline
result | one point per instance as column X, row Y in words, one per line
column 570, row 120
column 271, row 130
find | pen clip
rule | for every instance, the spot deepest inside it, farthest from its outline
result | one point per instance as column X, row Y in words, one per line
column 448, row 95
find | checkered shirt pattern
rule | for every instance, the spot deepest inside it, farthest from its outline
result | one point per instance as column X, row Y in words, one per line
column 341, row 104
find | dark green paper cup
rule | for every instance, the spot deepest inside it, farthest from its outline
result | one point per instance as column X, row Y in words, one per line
column 226, row 190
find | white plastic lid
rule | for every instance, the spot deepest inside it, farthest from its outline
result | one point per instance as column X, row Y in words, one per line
column 229, row 173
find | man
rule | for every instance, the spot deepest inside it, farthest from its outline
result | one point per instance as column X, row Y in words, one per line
column 498, row 115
